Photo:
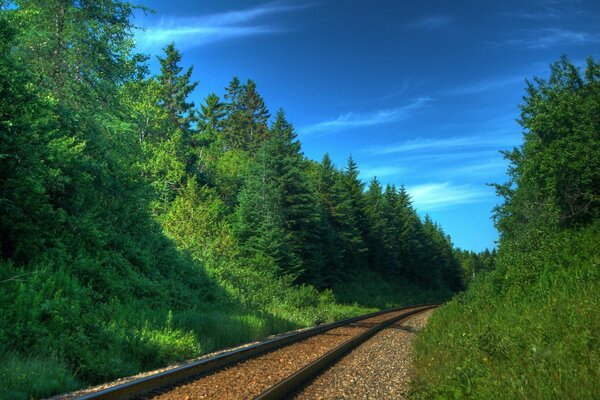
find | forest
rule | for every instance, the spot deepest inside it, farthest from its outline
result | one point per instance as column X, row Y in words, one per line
column 139, row 229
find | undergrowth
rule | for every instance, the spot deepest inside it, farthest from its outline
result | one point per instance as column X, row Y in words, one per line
column 529, row 330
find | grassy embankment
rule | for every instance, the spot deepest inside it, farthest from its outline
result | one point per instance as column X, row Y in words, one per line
column 101, row 341
column 528, row 330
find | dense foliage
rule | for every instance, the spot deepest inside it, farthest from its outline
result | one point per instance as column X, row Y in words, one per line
column 137, row 229
column 529, row 329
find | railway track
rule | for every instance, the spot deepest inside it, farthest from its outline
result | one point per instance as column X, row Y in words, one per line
column 271, row 369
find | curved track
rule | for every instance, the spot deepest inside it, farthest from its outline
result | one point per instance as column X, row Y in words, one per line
column 267, row 370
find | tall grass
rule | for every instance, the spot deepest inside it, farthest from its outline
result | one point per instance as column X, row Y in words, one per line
column 527, row 331
column 24, row 378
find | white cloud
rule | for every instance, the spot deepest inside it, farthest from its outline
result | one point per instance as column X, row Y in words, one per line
column 550, row 37
column 356, row 120
column 431, row 23
column 367, row 173
column 435, row 196
column 483, row 141
column 483, row 168
column 486, row 85
column 189, row 32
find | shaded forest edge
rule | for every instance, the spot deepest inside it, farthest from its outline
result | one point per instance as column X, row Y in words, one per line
column 529, row 329
column 138, row 230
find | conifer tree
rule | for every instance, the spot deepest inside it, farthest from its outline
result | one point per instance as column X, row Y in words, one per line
column 259, row 221
column 377, row 222
column 352, row 194
column 247, row 116
column 325, row 184
column 210, row 120
column 170, row 149
column 299, row 205
column 411, row 238
column 392, row 231
column 210, row 129
column 175, row 88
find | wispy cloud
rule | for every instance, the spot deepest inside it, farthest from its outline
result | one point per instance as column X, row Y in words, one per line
column 353, row 120
column 532, row 15
column 368, row 173
column 485, row 85
column 547, row 10
column 550, row 37
column 431, row 23
column 482, row 141
column 490, row 167
column 435, row 196
column 200, row 30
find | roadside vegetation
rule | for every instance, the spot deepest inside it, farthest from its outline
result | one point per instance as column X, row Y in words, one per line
column 529, row 329
column 139, row 229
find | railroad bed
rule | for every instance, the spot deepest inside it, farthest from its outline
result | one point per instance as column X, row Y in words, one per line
column 272, row 369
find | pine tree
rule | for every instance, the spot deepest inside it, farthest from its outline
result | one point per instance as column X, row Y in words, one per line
column 299, row 205
column 411, row 238
column 377, row 222
column 259, row 222
column 207, row 140
column 325, row 187
column 352, row 193
column 175, row 89
column 392, row 231
column 247, row 116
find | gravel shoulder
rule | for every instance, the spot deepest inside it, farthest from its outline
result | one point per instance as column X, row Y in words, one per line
column 251, row 377
column 380, row 368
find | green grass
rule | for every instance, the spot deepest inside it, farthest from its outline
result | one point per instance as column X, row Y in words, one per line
column 78, row 343
column 527, row 331
column 24, row 378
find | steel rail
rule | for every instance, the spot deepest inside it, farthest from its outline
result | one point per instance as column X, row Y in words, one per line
column 152, row 382
column 293, row 382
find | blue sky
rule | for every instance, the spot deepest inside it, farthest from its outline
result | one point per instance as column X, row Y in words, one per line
column 420, row 93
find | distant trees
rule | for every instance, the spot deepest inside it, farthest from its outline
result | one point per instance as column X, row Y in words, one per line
column 475, row 264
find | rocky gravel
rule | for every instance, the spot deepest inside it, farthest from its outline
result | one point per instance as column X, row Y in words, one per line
column 250, row 378
column 380, row 368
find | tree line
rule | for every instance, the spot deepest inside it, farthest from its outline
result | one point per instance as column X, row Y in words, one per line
column 113, row 124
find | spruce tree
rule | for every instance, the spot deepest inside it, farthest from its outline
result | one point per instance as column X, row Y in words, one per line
column 207, row 140
column 259, row 221
column 353, row 196
column 299, row 205
column 247, row 115
column 170, row 148
column 392, row 232
column 332, row 220
column 377, row 223
column 411, row 238
column 175, row 89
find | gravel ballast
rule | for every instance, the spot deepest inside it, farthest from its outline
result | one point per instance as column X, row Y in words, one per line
column 251, row 377
column 380, row 368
